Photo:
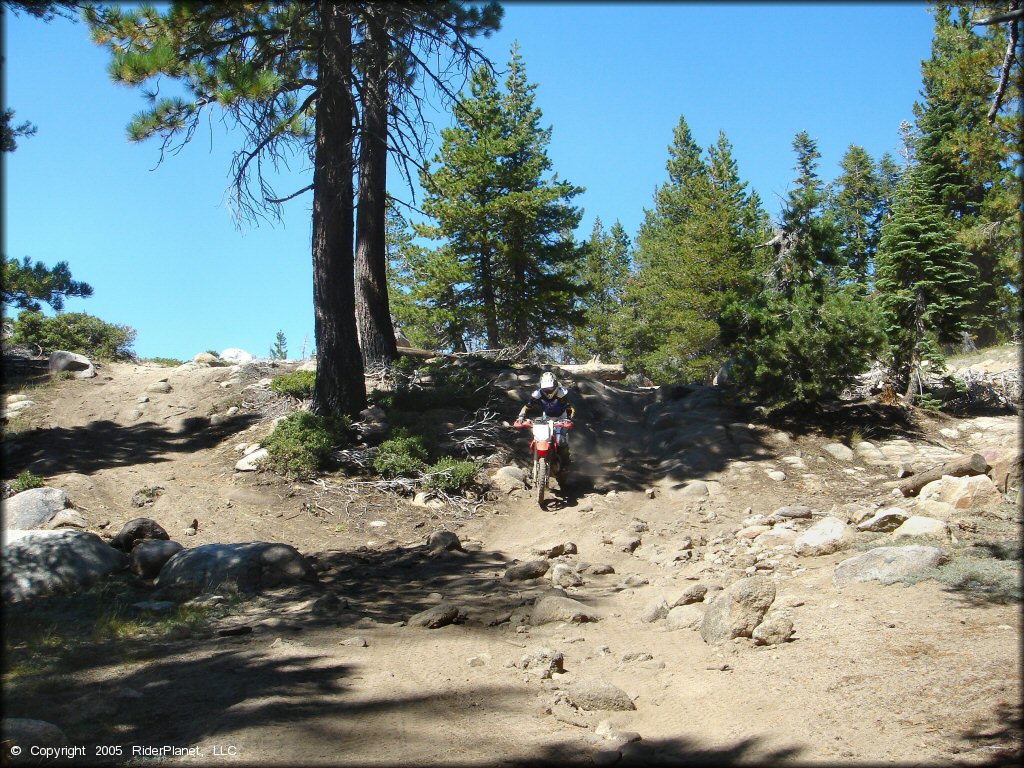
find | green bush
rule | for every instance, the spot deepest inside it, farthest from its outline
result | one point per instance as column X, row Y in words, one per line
column 25, row 481
column 171, row 362
column 301, row 443
column 75, row 332
column 400, row 456
column 450, row 474
column 461, row 387
column 298, row 384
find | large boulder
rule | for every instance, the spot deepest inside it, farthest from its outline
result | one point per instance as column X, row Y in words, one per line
column 247, row 568
column 889, row 564
column 551, row 608
column 508, row 479
column 1007, row 470
column 968, row 492
column 148, row 557
column 79, row 365
column 826, row 536
column 919, row 525
column 134, row 531
column 44, row 563
column 738, row 610
column 33, row 508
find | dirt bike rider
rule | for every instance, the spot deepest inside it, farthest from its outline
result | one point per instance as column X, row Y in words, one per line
column 551, row 400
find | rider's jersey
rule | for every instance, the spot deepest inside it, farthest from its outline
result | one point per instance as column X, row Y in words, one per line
column 556, row 407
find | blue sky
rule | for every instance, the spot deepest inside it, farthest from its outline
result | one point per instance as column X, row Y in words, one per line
column 159, row 244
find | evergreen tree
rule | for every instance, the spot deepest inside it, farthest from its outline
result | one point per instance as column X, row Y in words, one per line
column 694, row 255
column 536, row 291
column 279, row 350
column 285, row 74
column 26, row 284
column 427, row 289
column 968, row 161
column 855, row 199
column 497, row 213
column 805, row 335
column 924, row 280
column 605, row 269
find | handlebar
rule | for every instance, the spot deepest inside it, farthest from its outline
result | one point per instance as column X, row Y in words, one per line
column 527, row 423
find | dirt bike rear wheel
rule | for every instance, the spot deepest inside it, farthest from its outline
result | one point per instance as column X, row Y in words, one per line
column 540, row 479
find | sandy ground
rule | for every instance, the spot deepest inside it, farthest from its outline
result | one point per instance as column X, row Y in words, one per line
column 899, row 674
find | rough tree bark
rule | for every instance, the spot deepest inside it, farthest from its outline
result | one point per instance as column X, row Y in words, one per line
column 373, row 311
column 339, row 387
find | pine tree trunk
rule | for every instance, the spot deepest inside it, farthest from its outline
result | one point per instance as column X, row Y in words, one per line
column 373, row 312
column 490, row 305
column 339, row 387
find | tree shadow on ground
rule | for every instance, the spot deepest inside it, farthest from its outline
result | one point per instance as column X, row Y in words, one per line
column 842, row 420
column 677, row 751
column 103, row 445
column 999, row 737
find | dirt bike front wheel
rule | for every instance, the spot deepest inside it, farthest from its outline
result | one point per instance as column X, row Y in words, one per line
column 540, row 479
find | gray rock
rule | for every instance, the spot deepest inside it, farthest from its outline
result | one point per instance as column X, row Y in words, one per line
column 247, row 567
column 508, row 479
column 564, row 575
column 884, row 520
column 889, row 564
column 156, row 606
column 355, row 642
column 33, row 508
column 134, row 531
column 776, row 629
column 44, row 563
column 922, row 526
column 251, row 462
column 738, row 609
column 66, row 518
column 626, row 542
column 68, row 361
column 598, row 569
column 550, row 608
column 328, row 605
column 656, row 611
column 693, row 594
column 159, row 387
column 26, row 733
column 828, row 535
column 776, row 474
column 839, row 451
column 695, row 488
column 797, row 512
column 531, row 569
column 149, row 556
column 590, row 695
column 545, row 661
column 436, row 617
column 446, row 540
column 557, row 550
column 685, row 617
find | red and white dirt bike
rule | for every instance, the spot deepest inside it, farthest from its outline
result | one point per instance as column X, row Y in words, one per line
column 544, row 451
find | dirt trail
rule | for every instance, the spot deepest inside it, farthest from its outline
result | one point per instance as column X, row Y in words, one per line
column 911, row 674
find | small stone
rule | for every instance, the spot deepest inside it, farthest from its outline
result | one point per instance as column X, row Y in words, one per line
column 590, row 695
column 626, row 542
column 355, row 642
column 774, row 630
column 693, row 594
column 838, row 451
column 654, row 612
column 436, row 617
column 776, row 475
column 446, row 540
column 532, row 569
column 599, row 569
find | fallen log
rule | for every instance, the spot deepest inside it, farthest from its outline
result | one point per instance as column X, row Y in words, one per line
column 962, row 467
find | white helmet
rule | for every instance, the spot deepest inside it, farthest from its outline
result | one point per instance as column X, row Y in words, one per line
column 548, row 383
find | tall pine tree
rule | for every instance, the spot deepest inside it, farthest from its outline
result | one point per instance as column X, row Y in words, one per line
column 924, row 280
column 805, row 334
column 694, row 255
column 496, row 209
column 603, row 274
